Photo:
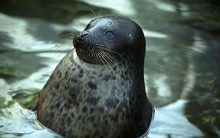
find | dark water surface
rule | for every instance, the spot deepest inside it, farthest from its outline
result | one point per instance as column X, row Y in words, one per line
column 182, row 62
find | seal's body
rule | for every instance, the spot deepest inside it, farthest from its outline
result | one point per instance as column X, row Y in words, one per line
column 98, row 90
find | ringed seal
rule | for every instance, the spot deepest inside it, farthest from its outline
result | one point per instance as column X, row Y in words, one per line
column 97, row 90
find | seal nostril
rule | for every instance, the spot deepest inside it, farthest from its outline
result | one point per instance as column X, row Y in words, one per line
column 83, row 34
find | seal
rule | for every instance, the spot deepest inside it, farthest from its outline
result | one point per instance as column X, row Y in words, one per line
column 97, row 90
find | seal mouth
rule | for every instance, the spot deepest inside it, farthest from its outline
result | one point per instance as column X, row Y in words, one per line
column 94, row 52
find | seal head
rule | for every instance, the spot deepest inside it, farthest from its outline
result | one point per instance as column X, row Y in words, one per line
column 116, row 36
column 98, row 89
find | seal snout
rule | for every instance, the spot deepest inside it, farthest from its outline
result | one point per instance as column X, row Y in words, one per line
column 81, row 38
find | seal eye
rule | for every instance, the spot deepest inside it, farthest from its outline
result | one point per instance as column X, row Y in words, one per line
column 110, row 34
column 88, row 26
column 91, row 24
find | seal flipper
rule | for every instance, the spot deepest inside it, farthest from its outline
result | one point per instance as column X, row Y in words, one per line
column 35, row 104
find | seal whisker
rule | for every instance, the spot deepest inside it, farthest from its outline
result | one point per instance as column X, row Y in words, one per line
column 97, row 56
column 108, row 57
column 93, row 12
column 102, row 56
column 111, row 56
column 101, row 46
column 103, row 53
column 72, row 35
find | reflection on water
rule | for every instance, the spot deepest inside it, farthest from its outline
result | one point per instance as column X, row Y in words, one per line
column 182, row 70
column 170, row 121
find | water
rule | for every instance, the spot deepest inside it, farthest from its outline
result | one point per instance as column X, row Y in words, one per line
column 182, row 70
